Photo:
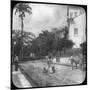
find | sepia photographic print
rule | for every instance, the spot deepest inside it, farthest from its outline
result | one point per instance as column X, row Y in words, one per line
column 48, row 44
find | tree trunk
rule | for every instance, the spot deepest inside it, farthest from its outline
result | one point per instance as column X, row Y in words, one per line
column 22, row 25
column 58, row 56
column 68, row 20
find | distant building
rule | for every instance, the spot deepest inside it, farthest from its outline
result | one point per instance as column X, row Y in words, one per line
column 77, row 25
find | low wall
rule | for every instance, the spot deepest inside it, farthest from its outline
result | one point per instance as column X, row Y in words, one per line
column 63, row 60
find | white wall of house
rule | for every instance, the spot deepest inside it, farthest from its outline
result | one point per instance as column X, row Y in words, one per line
column 79, row 36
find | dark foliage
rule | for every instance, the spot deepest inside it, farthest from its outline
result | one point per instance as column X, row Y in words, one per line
column 84, row 49
column 43, row 44
column 46, row 44
column 63, row 43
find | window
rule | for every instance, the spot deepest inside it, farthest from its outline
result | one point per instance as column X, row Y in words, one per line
column 75, row 32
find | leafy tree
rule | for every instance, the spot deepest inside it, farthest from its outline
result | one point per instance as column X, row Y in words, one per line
column 35, row 48
column 61, row 32
column 22, row 8
column 46, row 43
column 43, row 44
column 17, row 42
column 66, row 32
column 84, row 49
column 62, row 44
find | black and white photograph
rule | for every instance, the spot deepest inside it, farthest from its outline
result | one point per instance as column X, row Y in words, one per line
column 48, row 44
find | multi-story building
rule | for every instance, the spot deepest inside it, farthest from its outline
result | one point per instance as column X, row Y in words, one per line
column 77, row 25
column 76, row 21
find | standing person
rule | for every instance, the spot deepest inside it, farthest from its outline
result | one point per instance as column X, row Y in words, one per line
column 50, row 63
column 16, row 63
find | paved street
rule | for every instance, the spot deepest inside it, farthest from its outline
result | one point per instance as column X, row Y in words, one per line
column 63, row 73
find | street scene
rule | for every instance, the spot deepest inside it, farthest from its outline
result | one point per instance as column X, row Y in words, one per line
column 48, row 45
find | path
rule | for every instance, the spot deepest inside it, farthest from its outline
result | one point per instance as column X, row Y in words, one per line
column 20, row 80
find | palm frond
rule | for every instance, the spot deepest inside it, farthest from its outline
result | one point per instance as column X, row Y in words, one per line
column 28, row 11
column 17, row 10
column 23, row 7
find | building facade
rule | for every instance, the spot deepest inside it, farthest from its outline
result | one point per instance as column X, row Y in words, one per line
column 77, row 25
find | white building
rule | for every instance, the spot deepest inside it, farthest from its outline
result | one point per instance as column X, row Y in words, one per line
column 77, row 25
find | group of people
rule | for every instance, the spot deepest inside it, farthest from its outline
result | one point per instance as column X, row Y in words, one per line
column 50, row 66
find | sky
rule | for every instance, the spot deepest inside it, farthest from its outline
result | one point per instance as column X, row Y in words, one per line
column 43, row 17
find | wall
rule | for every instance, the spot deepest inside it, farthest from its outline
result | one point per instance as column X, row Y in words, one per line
column 80, row 23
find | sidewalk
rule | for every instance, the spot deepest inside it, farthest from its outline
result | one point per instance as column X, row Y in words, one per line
column 19, row 80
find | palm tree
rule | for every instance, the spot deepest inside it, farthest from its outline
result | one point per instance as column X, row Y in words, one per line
column 22, row 8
